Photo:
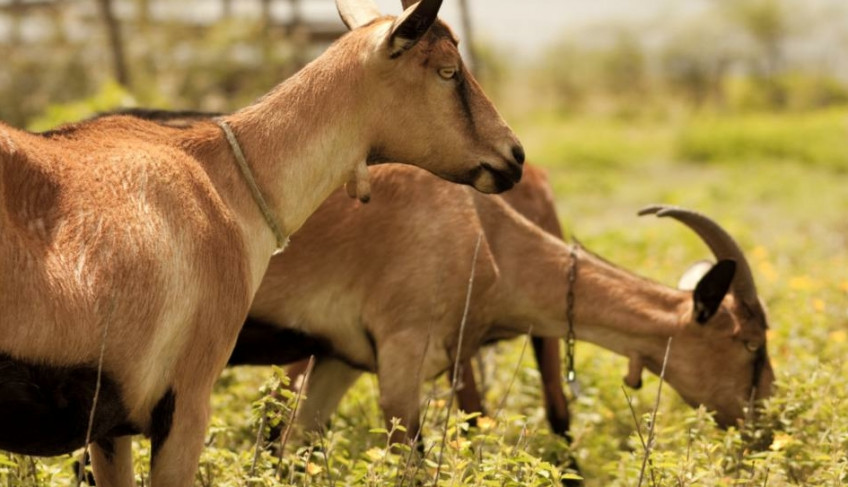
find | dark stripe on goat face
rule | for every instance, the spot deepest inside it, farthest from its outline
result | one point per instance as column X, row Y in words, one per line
column 161, row 420
column 44, row 410
column 463, row 91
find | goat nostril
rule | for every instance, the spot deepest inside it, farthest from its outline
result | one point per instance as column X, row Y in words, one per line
column 518, row 154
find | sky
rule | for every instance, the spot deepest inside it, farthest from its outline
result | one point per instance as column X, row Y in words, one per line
column 528, row 25
column 524, row 27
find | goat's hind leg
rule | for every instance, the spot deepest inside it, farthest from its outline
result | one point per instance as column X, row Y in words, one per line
column 399, row 373
column 177, row 430
column 111, row 460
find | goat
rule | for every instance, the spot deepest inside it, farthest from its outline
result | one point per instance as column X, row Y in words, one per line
column 393, row 305
column 131, row 249
column 533, row 198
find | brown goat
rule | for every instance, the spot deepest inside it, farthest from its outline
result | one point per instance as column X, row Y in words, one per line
column 393, row 304
column 533, row 198
column 131, row 249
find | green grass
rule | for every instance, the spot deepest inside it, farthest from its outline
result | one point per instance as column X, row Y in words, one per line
column 777, row 182
column 817, row 138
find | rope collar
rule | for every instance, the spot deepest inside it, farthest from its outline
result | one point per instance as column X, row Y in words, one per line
column 282, row 240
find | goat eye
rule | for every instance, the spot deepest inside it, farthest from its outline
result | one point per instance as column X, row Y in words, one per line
column 447, row 73
column 752, row 347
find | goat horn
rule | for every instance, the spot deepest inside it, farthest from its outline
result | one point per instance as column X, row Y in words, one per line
column 413, row 23
column 356, row 13
column 720, row 242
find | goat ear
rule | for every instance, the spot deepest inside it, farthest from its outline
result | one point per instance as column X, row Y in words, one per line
column 356, row 13
column 694, row 274
column 710, row 290
column 412, row 24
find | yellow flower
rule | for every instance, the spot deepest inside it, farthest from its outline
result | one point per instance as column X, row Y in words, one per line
column 801, row 283
column 459, row 443
column 760, row 252
column 439, row 403
column 838, row 336
column 818, row 305
column 768, row 271
column 781, row 441
column 485, row 423
column 313, row 469
column 844, row 286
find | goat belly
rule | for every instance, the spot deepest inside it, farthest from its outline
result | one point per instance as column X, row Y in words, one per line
column 265, row 343
column 44, row 410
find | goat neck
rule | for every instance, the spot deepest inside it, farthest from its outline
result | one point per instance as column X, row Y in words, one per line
column 623, row 312
column 716, row 340
column 301, row 141
column 613, row 308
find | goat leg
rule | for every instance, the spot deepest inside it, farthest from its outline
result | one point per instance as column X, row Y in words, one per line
column 399, row 390
column 547, row 355
column 177, row 432
column 468, row 394
column 112, row 462
column 329, row 380
column 633, row 379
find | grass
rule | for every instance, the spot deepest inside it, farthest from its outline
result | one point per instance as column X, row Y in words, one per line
column 777, row 182
column 816, row 138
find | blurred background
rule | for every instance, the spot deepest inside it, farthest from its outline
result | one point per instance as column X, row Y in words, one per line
column 736, row 108
column 652, row 58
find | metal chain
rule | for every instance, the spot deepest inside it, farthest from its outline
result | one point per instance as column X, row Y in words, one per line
column 570, row 338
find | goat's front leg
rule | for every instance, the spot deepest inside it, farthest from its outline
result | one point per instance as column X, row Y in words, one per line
column 111, row 460
column 556, row 405
column 177, row 430
column 399, row 373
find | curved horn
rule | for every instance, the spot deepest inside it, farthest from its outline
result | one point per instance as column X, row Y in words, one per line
column 413, row 23
column 719, row 241
column 356, row 13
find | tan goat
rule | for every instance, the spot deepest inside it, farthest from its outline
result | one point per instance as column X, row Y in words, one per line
column 392, row 305
column 130, row 250
column 534, row 200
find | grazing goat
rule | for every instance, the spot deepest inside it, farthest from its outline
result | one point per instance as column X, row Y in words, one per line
column 130, row 250
column 533, row 199
column 393, row 304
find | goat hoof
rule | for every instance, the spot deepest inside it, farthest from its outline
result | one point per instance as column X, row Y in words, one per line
column 635, row 386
